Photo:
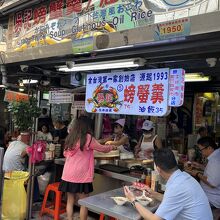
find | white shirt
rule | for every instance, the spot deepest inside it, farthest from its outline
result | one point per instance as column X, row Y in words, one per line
column 12, row 158
column 184, row 199
column 44, row 137
column 213, row 176
column 148, row 145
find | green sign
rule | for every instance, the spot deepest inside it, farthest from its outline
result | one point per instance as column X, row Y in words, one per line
column 83, row 45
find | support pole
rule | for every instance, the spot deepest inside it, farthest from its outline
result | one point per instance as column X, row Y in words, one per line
column 31, row 169
column 1, row 179
column 98, row 126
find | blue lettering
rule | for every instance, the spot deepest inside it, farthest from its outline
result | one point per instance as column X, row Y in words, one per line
column 94, row 80
column 115, row 78
column 142, row 77
column 90, row 80
column 111, row 11
column 104, row 79
column 126, row 79
column 142, row 109
column 150, row 109
column 120, row 9
column 149, row 77
column 132, row 78
column 99, row 79
column 121, row 78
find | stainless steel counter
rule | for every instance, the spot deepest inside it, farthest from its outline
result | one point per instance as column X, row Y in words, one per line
column 102, row 203
column 59, row 161
column 126, row 177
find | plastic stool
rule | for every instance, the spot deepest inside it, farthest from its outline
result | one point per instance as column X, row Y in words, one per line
column 102, row 217
column 57, row 211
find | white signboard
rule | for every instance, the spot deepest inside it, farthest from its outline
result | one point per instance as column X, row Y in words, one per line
column 176, row 89
column 79, row 105
column 60, row 97
column 142, row 92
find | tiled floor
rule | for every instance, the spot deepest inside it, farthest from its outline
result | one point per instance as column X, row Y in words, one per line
column 36, row 211
column 62, row 217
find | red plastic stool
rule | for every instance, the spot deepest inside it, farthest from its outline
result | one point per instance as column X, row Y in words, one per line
column 102, row 217
column 57, row 211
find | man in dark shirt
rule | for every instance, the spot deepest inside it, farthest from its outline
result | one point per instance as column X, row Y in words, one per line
column 60, row 131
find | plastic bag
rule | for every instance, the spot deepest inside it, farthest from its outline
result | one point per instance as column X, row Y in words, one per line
column 43, row 181
column 14, row 200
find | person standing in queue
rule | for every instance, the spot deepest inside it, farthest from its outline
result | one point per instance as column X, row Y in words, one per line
column 78, row 170
column 210, row 178
column 183, row 199
column 148, row 141
column 119, row 138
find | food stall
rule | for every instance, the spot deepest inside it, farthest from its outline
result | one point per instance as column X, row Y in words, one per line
column 140, row 92
column 146, row 34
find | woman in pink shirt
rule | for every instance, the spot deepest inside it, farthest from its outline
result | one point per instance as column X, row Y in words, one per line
column 78, row 170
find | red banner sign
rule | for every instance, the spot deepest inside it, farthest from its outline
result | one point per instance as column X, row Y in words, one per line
column 11, row 96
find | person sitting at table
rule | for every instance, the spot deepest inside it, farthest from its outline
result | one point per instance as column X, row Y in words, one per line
column 14, row 158
column 148, row 141
column 44, row 133
column 183, row 197
column 210, row 179
column 202, row 132
column 78, row 172
column 119, row 138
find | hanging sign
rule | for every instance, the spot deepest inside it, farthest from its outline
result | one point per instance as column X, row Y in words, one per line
column 176, row 88
column 198, row 106
column 78, row 101
column 79, row 105
column 172, row 29
column 11, row 96
column 143, row 92
column 60, row 97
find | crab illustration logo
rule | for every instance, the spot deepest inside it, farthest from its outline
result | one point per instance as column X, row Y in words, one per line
column 107, row 98
column 175, row 3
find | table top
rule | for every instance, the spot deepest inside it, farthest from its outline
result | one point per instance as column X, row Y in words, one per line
column 102, row 203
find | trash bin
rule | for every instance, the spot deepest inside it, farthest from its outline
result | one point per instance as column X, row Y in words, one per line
column 14, row 200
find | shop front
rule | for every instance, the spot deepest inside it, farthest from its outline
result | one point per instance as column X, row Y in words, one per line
column 128, row 61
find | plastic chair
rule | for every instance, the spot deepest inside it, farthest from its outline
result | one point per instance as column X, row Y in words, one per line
column 102, row 217
column 57, row 211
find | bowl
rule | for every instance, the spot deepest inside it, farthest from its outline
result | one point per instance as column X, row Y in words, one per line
column 120, row 200
column 144, row 200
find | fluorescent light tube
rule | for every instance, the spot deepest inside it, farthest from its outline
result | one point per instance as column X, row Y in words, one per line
column 197, row 79
column 29, row 81
column 21, row 89
column 114, row 64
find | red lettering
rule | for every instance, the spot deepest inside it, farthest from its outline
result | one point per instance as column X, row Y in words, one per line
column 40, row 14
column 157, row 93
column 56, row 9
column 73, row 6
column 27, row 18
column 18, row 22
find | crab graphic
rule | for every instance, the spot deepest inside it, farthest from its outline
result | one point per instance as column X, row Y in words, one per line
column 105, row 98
